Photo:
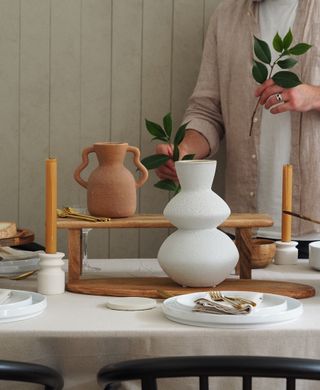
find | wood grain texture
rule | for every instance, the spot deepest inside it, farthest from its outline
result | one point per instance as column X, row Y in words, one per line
column 9, row 109
column 34, row 112
column 96, row 54
column 23, row 236
column 155, row 103
column 126, row 99
column 154, row 287
column 237, row 220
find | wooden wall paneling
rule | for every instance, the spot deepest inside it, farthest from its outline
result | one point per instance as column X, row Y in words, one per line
column 95, row 97
column 219, row 180
column 187, row 50
column 9, row 109
column 34, row 113
column 126, row 100
column 65, row 88
column 156, row 102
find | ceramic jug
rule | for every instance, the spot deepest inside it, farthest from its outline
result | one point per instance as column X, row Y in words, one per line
column 111, row 187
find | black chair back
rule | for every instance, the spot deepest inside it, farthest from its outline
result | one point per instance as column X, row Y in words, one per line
column 203, row 367
column 32, row 373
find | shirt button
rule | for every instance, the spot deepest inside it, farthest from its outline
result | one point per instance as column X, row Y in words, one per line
column 255, row 119
column 253, row 156
column 251, row 194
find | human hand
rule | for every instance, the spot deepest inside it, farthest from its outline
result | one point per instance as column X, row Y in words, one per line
column 168, row 170
column 301, row 98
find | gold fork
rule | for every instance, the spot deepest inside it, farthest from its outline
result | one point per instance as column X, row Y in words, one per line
column 217, row 296
column 220, row 297
column 22, row 276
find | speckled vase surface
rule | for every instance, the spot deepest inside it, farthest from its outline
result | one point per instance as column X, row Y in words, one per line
column 111, row 187
column 197, row 254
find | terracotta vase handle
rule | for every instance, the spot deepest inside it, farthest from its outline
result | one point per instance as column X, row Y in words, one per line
column 136, row 159
column 85, row 162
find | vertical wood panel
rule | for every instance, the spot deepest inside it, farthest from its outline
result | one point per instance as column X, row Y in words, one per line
column 156, row 102
column 126, row 99
column 219, row 180
column 65, row 99
column 9, row 109
column 187, row 50
column 34, row 112
column 95, row 95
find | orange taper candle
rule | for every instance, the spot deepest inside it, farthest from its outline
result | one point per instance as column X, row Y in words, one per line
column 51, row 205
column 286, row 203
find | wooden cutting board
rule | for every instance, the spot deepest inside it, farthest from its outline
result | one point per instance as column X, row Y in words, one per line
column 162, row 287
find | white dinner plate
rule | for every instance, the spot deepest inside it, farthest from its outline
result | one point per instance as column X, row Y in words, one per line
column 16, row 266
column 185, row 315
column 266, row 303
column 21, row 312
column 16, row 299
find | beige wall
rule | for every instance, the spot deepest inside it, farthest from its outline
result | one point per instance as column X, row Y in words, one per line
column 73, row 72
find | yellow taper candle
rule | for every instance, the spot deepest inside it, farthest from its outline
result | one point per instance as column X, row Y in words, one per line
column 51, row 205
column 286, row 203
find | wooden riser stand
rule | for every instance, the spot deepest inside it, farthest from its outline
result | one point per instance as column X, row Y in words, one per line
column 162, row 287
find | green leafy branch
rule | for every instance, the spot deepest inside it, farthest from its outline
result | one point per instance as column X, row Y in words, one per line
column 164, row 133
column 285, row 60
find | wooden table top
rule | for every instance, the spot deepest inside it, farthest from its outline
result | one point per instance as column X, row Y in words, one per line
column 236, row 220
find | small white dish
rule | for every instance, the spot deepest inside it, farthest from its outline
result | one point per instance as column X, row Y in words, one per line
column 131, row 303
column 21, row 312
column 185, row 315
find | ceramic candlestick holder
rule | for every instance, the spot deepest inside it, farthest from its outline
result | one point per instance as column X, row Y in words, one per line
column 51, row 277
column 286, row 253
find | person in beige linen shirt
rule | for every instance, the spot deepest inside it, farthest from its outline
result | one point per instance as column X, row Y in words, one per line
column 224, row 99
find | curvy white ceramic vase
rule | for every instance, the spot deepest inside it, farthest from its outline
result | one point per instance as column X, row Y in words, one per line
column 197, row 254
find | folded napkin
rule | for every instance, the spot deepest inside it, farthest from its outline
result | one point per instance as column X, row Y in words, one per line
column 8, row 253
column 4, row 295
column 231, row 306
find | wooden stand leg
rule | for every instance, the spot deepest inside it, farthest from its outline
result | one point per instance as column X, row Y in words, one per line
column 74, row 254
column 243, row 242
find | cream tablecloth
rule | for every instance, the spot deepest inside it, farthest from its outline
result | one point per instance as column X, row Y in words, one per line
column 77, row 334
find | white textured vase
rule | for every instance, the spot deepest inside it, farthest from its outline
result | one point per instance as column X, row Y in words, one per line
column 197, row 254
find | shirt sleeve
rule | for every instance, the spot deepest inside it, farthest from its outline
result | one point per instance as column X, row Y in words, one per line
column 204, row 111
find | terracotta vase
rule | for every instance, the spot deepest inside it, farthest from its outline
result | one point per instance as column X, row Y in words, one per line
column 197, row 254
column 111, row 187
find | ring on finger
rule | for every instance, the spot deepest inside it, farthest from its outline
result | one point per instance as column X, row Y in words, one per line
column 279, row 97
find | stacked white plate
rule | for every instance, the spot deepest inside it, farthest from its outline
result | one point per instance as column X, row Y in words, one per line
column 20, row 305
column 271, row 309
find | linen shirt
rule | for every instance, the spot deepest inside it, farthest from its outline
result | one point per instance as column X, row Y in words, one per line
column 223, row 103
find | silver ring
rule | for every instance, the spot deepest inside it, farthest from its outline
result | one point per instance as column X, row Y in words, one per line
column 279, row 97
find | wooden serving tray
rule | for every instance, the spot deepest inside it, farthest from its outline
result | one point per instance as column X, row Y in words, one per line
column 163, row 287
column 23, row 236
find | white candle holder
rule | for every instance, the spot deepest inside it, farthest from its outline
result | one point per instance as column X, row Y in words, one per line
column 286, row 253
column 51, row 277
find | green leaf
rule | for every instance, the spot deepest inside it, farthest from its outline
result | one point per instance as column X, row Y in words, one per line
column 287, row 40
column 180, row 134
column 160, row 139
column 299, row 49
column 259, row 72
column 287, row 63
column 262, row 50
column 155, row 129
column 188, row 157
column 277, row 43
column 286, row 79
column 167, row 124
column 176, row 154
column 166, row 184
column 177, row 190
column 155, row 161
